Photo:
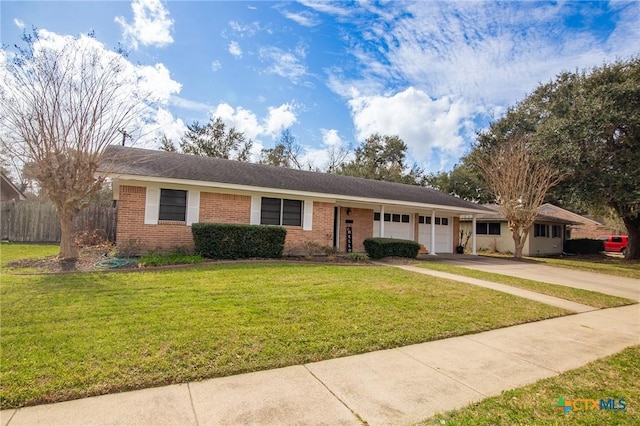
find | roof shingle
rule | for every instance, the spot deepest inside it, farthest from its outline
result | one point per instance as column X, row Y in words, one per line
column 144, row 162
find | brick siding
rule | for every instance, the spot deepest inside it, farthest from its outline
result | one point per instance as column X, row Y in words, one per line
column 225, row 208
column 133, row 234
column 362, row 228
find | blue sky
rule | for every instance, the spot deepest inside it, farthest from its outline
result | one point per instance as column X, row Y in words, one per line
column 433, row 73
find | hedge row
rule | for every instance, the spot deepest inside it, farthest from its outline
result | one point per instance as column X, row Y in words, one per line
column 583, row 246
column 377, row 248
column 221, row 241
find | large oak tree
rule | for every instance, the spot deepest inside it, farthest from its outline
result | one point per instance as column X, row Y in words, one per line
column 587, row 125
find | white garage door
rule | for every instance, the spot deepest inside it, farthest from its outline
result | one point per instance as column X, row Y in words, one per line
column 396, row 225
column 444, row 233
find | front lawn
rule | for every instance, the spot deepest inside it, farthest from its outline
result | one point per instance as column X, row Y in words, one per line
column 586, row 297
column 615, row 377
column 71, row 336
column 10, row 252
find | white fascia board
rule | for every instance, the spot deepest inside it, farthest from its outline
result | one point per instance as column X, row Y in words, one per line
column 145, row 180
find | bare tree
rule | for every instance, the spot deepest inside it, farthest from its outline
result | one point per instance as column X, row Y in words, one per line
column 62, row 101
column 337, row 157
column 519, row 179
column 286, row 153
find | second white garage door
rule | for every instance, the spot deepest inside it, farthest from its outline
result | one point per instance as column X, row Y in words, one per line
column 444, row 233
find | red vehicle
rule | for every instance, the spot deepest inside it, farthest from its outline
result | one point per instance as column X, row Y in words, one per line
column 617, row 243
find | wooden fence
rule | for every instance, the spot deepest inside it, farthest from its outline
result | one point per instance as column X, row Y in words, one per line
column 36, row 222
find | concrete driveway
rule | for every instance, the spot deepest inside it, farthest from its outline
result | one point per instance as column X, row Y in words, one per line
column 608, row 284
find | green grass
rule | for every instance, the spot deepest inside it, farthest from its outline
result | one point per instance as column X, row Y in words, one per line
column 586, row 297
column 617, row 376
column 602, row 264
column 169, row 259
column 19, row 251
column 71, row 336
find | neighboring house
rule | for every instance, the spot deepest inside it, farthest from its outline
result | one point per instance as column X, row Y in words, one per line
column 546, row 236
column 582, row 227
column 8, row 191
column 160, row 194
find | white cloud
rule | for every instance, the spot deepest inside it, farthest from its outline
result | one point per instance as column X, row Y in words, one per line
column 285, row 64
column 156, row 80
column 18, row 23
column 332, row 8
column 246, row 121
column 306, row 19
column 151, row 24
column 235, row 50
column 216, row 66
column 330, row 138
column 279, row 118
column 423, row 123
column 244, row 30
column 188, row 104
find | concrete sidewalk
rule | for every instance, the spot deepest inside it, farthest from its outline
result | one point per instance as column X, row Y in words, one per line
column 397, row 386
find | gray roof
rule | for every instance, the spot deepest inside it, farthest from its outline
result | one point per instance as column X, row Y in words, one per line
column 498, row 216
column 143, row 162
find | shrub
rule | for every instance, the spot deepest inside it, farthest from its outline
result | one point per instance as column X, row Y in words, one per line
column 583, row 246
column 357, row 257
column 377, row 248
column 221, row 241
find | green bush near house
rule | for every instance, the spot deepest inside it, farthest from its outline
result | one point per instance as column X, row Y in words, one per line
column 377, row 248
column 222, row 241
column 583, row 246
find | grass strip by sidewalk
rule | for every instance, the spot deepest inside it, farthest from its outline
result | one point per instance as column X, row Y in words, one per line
column 586, row 297
column 601, row 264
column 77, row 335
column 616, row 377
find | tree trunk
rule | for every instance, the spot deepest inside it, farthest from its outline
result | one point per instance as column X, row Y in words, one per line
column 518, row 243
column 633, row 230
column 68, row 247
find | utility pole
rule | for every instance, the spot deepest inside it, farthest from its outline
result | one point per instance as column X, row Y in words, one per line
column 124, row 135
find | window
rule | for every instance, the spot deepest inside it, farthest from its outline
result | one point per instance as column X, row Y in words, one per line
column 494, row 229
column 387, row 217
column 437, row 221
column 556, row 231
column 376, row 216
column 278, row 211
column 173, row 205
column 445, row 221
column 424, row 220
column 616, row 239
column 540, row 230
column 395, row 218
column 405, row 218
column 487, row 228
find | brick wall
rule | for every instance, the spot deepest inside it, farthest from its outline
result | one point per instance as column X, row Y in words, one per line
column 133, row 233
column 362, row 227
column 225, row 208
column 214, row 207
column 321, row 234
